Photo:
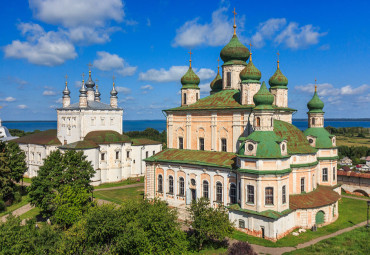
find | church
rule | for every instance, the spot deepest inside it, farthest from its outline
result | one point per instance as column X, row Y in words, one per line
column 238, row 148
column 96, row 129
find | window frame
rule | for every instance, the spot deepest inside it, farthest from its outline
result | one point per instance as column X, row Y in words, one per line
column 334, row 173
column 303, row 185
column 283, row 194
column 325, row 174
column 184, row 98
column 269, row 196
column 228, row 79
column 102, row 156
column 181, row 142
column 250, row 195
column 224, row 144
column 233, row 197
column 160, row 184
column 205, row 189
column 219, row 192
column 117, row 155
column 201, row 143
column 181, row 186
column 170, row 184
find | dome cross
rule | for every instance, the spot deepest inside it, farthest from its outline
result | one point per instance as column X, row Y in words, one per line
column 250, row 51
column 190, row 58
column 278, row 61
column 315, row 85
column 234, row 12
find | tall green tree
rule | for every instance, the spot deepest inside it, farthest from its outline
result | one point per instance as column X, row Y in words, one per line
column 59, row 169
column 16, row 161
column 6, row 183
column 208, row 224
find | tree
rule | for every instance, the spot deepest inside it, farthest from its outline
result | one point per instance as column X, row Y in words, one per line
column 241, row 248
column 208, row 224
column 16, row 161
column 6, row 183
column 70, row 203
column 70, row 168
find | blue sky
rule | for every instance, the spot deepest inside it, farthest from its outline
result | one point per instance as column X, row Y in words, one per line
column 145, row 45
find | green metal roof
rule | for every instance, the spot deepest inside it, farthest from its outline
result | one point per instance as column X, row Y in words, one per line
column 268, row 145
column 190, row 80
column 263, row 99
column 297, row 141
column 234, row 51
column 80, row 145
column 278, row 79
column 143, row 141
column 47, row 137
column 196, row 157
column 107, row 136
column 323, row 137
column 250, row 73
column 315, row 105
column 216, row 84
column 268, row 213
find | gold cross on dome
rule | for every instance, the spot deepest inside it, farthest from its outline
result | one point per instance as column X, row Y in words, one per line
column 96, row 80
column 234, row 22
column 89, row 65
column 315, row 85
column 83, row 76
column 190, row 57
column 278, row 54
column 114, row 78
column 250, row 51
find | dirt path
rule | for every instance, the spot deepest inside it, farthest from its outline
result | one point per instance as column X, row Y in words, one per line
column 122, row 187
column 280, row 250
column 358, row 198
column 19, row 211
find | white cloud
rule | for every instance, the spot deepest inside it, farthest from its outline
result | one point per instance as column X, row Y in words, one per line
column 49, row 93
column 90, row 35
column 41, row 48
column 217, row 32
column 22, row 106
column 266, row 30
column 149, row 87
column 124, row 90
column 204, row 89
column 148, row 22
column 296, row 37
column 126, row 99
column 324, row 47
column 72, row 13
column 59, row 101
column 174, row 73
column 113, row 62
column 8, row 99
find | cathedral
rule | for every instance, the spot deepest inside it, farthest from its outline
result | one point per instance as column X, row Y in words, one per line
column 238, row 148
column 96, row 129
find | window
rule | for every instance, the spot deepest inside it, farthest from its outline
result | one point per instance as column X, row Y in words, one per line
column 324, row 174
column 111, row 121
column 334, row 173
column 181, row 143
column 205, row 189
column 102, row 156
column 201, row 144
column 193, row 182
column 128, row 154
column 313, row 121
column 250, row 194
column 184, row 98
column 197, row 96
column 147, row 154
column 160, row 183
column 250, row 147
column 223, row 144
column 153, row 152
column 232, row 194
column 258, row 121
column 302, row 185
column 241, row 224
column 219, row 192
column 228, row 75
column 170, row 184
column 269, row 196
column 117, row 154
column 92, row 121
column 284, row 194
column 182, row 186
column 102, row 120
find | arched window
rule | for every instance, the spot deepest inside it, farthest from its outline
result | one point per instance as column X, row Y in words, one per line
column 250, row 194
column 324, row 174
column 223, row 144
column 181, row 143
column 197, row 97
column 181, row 186
column 241, row 224
column 302, row 185
column 160, row 183
column 284, row 194
column 232, row 194
column 184, row 98
column 313, row 121
column 258, row 122
column 269, row 196
column 170, row 185
column 334, row 173
column 219, row 192
column 205, row 189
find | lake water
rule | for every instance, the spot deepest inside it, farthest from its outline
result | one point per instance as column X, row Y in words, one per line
column 140, row 125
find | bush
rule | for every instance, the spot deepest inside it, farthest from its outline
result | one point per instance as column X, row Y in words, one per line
column 2, row 206
column 241, row 248
column 17, row 197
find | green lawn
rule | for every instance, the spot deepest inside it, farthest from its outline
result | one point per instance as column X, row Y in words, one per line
column 119, row 195
column 14, row 207
column 121, row 183
column 30, row 214
column 352, row 242
column 351, row 211
column 27, row 180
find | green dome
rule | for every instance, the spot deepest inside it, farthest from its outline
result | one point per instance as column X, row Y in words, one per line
column 190, row 80
column 216, row 84
column 323, row 137
column 234, row 52
column 278, row 79
column 315, row 104
column 250, row 73
column 263, row 99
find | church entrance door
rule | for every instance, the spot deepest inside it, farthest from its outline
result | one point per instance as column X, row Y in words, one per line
column 193, row 194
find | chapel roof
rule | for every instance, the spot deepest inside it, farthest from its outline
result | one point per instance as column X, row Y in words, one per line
column 143, row 141
column 47, row 137
column 106, row 136
column 323, row 137
column 196, row 157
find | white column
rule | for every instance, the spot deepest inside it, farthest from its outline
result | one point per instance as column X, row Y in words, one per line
column 236, row 129
column 175, row 184
column 258, row 194
column 188, row 131
column 226, row 184
column 170, row 131
column 164, row 183
column 213, row 131
column 211, row 188
column 198, row 192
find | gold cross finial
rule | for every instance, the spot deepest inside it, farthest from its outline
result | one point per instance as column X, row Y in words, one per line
column 315, row 85
column 278, row 54
column 96, row 80
column 66, row 77
column 114, row 79
column 218, row 65
column 234, row 22
column 190, row 58
column 250, row 51
column 89, row 65
column 83, row 77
